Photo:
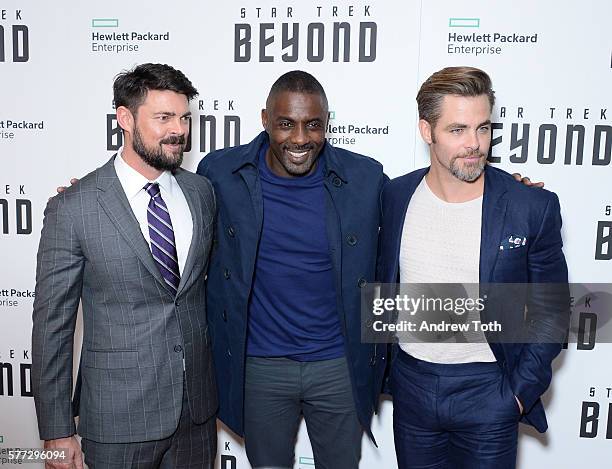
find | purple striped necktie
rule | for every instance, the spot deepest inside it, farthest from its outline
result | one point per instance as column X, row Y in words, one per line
column 161, row 233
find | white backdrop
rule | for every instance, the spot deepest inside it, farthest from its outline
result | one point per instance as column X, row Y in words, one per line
column 58, row 60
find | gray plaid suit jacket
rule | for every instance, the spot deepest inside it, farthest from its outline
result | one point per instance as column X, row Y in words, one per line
column 138, row 337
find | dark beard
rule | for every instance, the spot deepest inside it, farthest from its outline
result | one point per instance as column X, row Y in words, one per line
column 155, row 157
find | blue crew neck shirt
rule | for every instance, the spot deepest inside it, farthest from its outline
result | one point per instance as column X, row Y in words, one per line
column 292, row 310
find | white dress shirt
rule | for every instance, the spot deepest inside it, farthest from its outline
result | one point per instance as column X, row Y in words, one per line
column 182, row 222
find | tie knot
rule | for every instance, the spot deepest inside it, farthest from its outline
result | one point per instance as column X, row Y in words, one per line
column 152, row 188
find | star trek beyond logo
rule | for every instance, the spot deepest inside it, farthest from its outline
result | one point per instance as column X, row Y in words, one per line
column 591, row 313
column 15, row 210
column 15, row 373
column 107, row 37
column 563, row 135
column 465, row 38
column 603, row 243
column 214, row 125
column 596, row 413
column 228, row 461
column 14, row 37
column 306, row 32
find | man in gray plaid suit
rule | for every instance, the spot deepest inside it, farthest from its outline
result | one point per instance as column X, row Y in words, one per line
column 131, row 242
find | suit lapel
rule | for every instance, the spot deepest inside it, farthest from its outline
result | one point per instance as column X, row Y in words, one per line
column 493, row 213
column 494, row 206
column 114, row 202
column 194, row 201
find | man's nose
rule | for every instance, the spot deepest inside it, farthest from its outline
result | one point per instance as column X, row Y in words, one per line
column 298, row 136
column 473, row 142
column 178, row 127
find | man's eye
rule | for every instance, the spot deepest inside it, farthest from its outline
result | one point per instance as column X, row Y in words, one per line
column 314, row 125
column 186, row 118
column 456, row 131
column 285, row 124
column 163, row 118
column 484, row 129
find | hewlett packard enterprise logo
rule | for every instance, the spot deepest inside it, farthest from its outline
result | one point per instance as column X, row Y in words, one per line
column 351, row 132
column 465, row 37
column 108, row 38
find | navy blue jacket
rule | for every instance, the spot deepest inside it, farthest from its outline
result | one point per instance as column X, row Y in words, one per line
column 353, row 184
column 508, row 209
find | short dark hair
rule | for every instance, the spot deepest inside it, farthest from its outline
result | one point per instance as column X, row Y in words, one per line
column 297, row 81
column 457, row 81
column 131, row 87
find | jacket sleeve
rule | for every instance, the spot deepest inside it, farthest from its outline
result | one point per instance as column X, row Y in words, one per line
column 547, row 309
column 59, row 274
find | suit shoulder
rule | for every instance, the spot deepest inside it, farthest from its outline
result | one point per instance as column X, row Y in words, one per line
column 219, row 159
column 86, row 183
column 518, row 191
column 191, row 177
column 200, row 182
column 400, row 183
column 360, row 161
column 84, row 188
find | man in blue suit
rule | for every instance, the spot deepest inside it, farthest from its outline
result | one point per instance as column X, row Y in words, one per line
column 458, row 404
column 296, row 239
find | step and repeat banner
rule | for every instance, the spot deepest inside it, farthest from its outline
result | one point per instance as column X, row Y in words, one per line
column 551, row 65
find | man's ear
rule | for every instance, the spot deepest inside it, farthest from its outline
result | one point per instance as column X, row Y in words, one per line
column 125, row 119
column 264, row 119
column 426, row 131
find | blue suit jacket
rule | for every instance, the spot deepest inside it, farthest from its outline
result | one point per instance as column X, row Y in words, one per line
column 508, row 209
column 353, row 184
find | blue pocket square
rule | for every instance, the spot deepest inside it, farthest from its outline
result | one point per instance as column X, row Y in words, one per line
column 513, row 242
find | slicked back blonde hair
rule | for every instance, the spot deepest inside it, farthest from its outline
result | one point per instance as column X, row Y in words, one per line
column 456, row 81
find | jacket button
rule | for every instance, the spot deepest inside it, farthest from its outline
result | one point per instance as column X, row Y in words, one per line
column 227, row 274
column 178, row 348
column 231, row 231
column 224, row 315
column 351, row 240
column 337, row 181
column 362, row 282
column 229, row 352
column 373, row 360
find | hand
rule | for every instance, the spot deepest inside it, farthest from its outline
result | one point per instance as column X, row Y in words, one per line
column 74, row 458
column 525, row 180
column 61, row 189
column 519, row 404
column 73, row 181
